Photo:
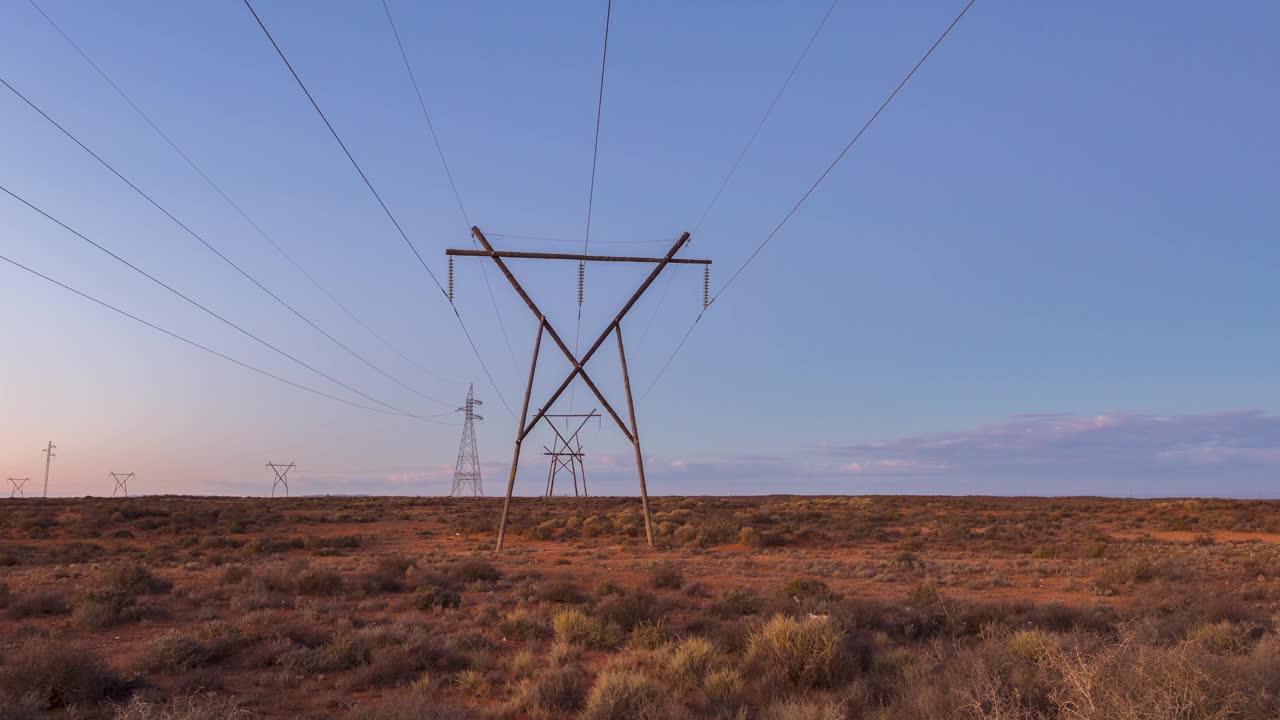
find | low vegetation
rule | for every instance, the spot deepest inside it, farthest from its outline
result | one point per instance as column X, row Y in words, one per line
column 751, row 609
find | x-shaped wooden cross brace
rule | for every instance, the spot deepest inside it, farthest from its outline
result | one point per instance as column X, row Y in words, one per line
column 18, row 487
column 122, row 483
column 631, row 432
column 571, row 447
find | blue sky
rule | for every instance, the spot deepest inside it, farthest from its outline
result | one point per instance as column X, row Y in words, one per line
column 1062, row 230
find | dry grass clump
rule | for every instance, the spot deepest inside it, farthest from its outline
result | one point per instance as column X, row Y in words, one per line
column 189, row 707
column 409, row 705
column 799, row 709
column 625, row 694
column 575, row 627
column 806, row 653
column 687, row 662
column 175, row 651
column 55, row 674
column 435, row 597
column 318, row 581
column 554, row 693
column 722, row 693
column 38, row 603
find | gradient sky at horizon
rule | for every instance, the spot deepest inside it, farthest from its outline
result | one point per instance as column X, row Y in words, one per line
column 1048, row 268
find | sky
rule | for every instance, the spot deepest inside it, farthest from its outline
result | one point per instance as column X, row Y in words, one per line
column 1046, row 268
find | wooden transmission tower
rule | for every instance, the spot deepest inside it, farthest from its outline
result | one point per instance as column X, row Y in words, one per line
column 614, row 327
column 121, row 483
column 466, row 471
column 567, row 444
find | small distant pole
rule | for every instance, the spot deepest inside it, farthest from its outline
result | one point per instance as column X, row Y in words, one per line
column 48, row 458
column 19, row 485
column 122, row 483
column 282, row 477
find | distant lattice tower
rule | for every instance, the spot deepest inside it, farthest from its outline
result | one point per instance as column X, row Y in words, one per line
column 466, row 473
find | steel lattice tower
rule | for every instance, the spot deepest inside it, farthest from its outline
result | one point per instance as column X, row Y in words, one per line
column 466, row 473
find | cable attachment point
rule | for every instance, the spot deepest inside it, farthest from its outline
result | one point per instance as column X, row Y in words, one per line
column 582, row 269
column 706, row 286
column 450, row 278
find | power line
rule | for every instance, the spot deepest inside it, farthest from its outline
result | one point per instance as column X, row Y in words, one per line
column 232, row 203
column 204, row 308
column 591, row 192
column 843, row 152
column 738, row 162
column 595, row 148
column 765, row 118
column 195, row 344
column 449, row 174
column 213, row 249
column 812, row 187
column 378, row 197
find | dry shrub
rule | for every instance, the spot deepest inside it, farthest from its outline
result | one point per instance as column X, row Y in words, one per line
column 560, row 590
column 722, row 693
column 799, row 709
column 133, row 579
column 738, row 601
column 190, row 707
column 26, row 707
column 575, row 627
column 554, row 693
column 627, row 694
column 522, row 624
column 102, row 608
column 687, row 662
column 174, row 651
column 38, row 603
column 410, row 705
column 1222, row 638
column 629, row 608
column 435, row 597
column 666, row 577
column 806, row 653
column 318, row 581
column 54, row 674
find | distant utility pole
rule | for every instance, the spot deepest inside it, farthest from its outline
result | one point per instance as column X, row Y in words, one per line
column 18, row 487
column 567, row 445
column 48, row 458
column 466, row 472
column 122, row 483
column 282, row 477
